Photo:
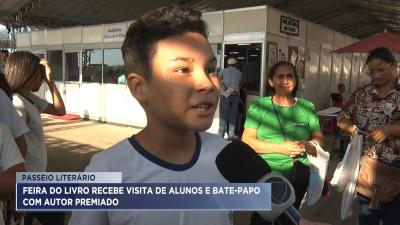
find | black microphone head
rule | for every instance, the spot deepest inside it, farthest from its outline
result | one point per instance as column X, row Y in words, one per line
column 239, row 163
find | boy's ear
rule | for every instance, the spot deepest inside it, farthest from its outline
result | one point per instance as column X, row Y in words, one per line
column 270, row 83
column 137, row 85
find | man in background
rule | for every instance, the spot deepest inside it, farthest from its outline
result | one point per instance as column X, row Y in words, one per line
column 228, row 105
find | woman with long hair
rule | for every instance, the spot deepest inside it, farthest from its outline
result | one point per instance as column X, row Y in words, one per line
column 25, row 73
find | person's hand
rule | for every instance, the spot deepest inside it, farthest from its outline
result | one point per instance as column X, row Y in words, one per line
column 380, row 134
column 11, row 208
column 310, row 148
column 292, row 149
column 46, row 65
column 352, row 130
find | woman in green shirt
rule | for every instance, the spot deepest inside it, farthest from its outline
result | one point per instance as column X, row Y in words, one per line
column 279, row 127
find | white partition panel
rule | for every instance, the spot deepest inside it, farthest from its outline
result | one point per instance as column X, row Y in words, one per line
column 346, row 71
column 311, row 72
column 337, row 61
column 121, row 107
column 320, row 34
column 54, row 37
column 23, row 40
column 72, row 98
column 72, row 35
column 336, row 72
column 92, row 34
column 355, row 72
column 90, row 105
column 215, row 23
column 364, row 79
column 282, row 46
column 324, row 78
column 245, row 20
column 38, row 38
column 348, row 40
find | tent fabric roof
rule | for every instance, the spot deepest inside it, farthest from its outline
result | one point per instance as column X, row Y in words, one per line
column 357, row 18
column 384, row 39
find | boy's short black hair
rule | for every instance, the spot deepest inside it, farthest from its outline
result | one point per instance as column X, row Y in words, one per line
column 159, row 24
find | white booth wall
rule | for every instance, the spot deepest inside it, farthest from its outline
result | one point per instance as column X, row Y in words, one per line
column 102, row 100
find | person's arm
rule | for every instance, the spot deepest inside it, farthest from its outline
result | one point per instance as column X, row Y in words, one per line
column 221, row 78
column 8, row 179
column 289, row 148
column 345, row 118
column 57, row 108
column 315, row 129
column 11, row 162
column 317, row 137
column 14, row 120
column 347, row 126
column 381, row 133
column 21, row 143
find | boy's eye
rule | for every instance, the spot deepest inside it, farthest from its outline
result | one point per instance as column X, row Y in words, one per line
column 183, row 70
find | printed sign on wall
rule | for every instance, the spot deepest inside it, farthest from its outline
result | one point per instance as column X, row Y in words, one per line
column 290, row 26
column 114, row 32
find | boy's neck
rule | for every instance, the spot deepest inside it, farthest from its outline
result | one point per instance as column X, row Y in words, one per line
column 168, row 144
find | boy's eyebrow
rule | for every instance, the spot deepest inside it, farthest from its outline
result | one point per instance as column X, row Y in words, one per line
column 186, row 59
column 191, row 60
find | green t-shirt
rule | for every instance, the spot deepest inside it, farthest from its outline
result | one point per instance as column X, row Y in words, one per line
column 298, row 121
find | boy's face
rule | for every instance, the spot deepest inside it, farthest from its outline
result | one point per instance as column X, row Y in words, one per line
column 183, row 91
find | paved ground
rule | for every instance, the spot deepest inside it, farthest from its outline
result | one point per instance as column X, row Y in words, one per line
column 72, row 143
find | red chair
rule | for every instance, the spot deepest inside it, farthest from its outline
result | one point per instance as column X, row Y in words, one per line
column 329, row 125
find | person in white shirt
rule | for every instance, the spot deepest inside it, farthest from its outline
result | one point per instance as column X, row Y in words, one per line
column 170, row 71
column 25, row 73
column 10, row 117
column 11, row 162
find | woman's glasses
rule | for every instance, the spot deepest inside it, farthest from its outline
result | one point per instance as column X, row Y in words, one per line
column 379, row 69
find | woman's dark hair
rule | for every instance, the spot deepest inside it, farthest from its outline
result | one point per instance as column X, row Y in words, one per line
column 272, row 72
column 20, row 69
column 4, row 85
column 382, row 54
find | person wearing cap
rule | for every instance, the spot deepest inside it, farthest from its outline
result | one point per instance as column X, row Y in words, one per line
column 229, row 101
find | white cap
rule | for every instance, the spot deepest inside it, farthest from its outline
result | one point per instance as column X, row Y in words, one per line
column 232, row 61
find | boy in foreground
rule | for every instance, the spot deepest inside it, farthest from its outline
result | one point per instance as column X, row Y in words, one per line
column 170, row 71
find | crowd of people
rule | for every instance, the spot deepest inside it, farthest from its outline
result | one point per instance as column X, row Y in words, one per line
column 170, row 70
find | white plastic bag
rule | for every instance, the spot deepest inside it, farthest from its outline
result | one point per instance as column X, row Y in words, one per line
column 351, row 175
column 319, row 166
column 346, row 174
column 339, row 179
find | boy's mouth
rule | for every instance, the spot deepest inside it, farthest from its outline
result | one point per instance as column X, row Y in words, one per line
column 203, row 107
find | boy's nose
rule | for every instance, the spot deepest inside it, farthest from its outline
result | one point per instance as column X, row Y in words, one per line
column 203, row 81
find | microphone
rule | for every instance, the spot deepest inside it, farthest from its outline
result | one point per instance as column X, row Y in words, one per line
column 239, row 163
